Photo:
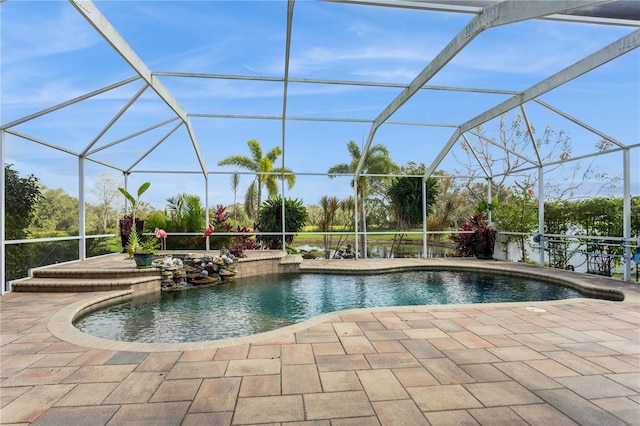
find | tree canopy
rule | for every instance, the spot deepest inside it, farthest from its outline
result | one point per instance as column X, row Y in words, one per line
column 405, row 193
column 21, row 194
column 266, row 173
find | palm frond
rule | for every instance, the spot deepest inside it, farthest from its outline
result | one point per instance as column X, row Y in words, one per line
column 272, row 186
column 274, row 153
column 288, row 176
column 255, row 149
column 251, row 200
column 239, row 161
column 354, row 150
column 339, row 169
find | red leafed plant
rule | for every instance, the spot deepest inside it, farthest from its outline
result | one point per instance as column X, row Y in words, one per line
column 476, row 238
column 240, row 243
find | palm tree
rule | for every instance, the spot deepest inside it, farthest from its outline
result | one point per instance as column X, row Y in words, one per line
column 263, row 168
column 377, row 161
column 186, row 213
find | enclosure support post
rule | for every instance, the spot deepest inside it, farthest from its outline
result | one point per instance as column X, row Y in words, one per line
column 424, row 217
column 126, row 187
column 3, row 247
column 489, row 217
column 541, row 215
column 206, row 210
column 82, row 249
column 355, row 222
column 283, row 216
column 626, row 214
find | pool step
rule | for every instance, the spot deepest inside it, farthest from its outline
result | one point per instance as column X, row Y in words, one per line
column 84, row 280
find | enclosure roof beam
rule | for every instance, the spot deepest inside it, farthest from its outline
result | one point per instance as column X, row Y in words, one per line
column 41, row 142
column 326, row 119
column 324, row 81
column 59, row 148
column 92, row 14
column 132, row 135
column 503, row 13
column 599, row 58
column 69, row 102
column 580, row 123
column 504, row 148
column 287, row 54
column 570, row 159
column 102, row 163
column 128, row 171
column 475, row 154
column 114, row 119
column 615, row 12
column 530, row 133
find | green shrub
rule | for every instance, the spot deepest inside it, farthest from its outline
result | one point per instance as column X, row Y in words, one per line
column 270, row 220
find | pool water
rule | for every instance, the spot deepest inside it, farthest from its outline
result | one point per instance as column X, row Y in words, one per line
column 255, row 305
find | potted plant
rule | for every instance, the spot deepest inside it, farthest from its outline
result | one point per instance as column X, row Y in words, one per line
column 141, row 250
column 484, row 240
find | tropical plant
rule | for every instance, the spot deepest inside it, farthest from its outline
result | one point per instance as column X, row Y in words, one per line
column 405, row 193
column 445, row 209
column 270, row 220
column 219, row 219
column 329, row 206
column 266, row 174
column 185, row 213
column 142, row 245
column 476, row 237
column 376, row 161
column 133, row 245
column 243, row 242
column 346, row 210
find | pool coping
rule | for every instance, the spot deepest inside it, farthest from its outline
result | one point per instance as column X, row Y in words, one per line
column 61, row 326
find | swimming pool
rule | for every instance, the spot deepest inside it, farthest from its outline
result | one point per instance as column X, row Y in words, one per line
column 255, row 305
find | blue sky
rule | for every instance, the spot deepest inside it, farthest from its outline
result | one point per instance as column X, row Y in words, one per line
column 50, row 54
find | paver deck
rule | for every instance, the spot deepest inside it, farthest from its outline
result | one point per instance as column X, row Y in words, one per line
column 569, row 362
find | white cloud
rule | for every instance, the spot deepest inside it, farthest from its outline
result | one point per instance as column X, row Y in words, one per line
column 54, row 28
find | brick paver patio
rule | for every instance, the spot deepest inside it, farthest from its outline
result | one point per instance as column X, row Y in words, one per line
column 575, row 362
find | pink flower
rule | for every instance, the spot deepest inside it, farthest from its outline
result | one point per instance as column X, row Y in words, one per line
column 208, row 231
column 530, row 191
column 161, row 233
